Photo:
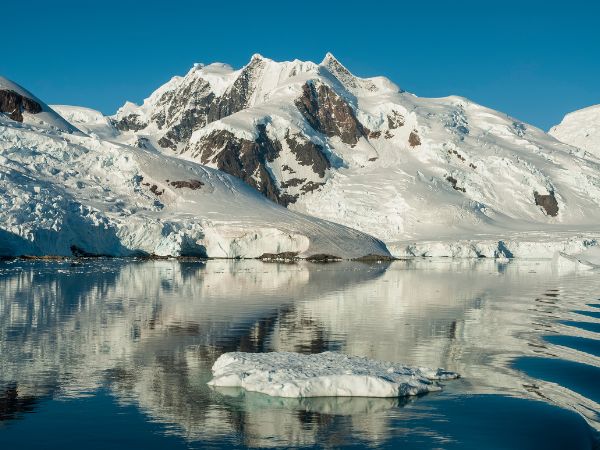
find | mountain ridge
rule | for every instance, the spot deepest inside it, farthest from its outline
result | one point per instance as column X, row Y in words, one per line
column 442, row 176
column 488, row 171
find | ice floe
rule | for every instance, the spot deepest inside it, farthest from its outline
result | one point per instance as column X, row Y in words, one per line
column 328, row 374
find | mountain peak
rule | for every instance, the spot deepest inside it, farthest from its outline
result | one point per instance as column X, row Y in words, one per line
column 333, row 65
column 330, row 59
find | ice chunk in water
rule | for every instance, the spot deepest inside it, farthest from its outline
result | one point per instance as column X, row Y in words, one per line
column 328, row 374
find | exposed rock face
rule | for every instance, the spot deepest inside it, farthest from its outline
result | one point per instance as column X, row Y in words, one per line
column 242, row 158
column 329, row 114
column 395, row 120
column 191, row 184
column 454, row 182
column 547, row 202
column 238, row 95
column 15, row 104
column 311, row 186
column 341, row 73
column 194, row 105
column 308, row 153
column 132, row 122
column 292, row 182
column 184, row 112
column 251, row 160
column 414, row 139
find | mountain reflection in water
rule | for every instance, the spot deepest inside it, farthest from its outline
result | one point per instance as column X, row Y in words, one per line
column 144, row 335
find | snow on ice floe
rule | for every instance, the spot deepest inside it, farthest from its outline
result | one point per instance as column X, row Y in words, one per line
column 328, row 374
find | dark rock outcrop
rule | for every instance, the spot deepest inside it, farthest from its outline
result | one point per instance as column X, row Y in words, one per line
column 285, row 257
column 238, row 95
column 249, row 160
column 242, row 158
column 454, row 182
column 193, row 106
column 78, row 252
column 132, row 122
column 547, row 202
column 323, row 258
column 414, row 139
column 185, row 111
column 395, row 120
column 308, row 153
column 329, row 114
column 311, row 186
column 191, row 184
column 292, row 182
column 156, row 191
column 374, row 258
column 14, row 104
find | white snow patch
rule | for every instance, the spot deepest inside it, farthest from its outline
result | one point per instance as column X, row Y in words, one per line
column 580, row 128
column 328, row 374
column 88, row 120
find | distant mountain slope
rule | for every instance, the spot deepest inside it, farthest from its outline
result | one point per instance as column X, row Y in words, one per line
column 21, row 105
column 581, row 129
column 364, row 153
column 88, row 120
column 63, row 194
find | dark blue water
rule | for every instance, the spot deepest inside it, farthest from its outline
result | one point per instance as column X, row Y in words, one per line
column 116, row 354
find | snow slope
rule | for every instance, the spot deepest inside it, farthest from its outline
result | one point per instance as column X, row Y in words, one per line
column 46, row 118
column 421, row 174
column 581, row 129
column 88, row 120
column 63, row 194
column 328, row 374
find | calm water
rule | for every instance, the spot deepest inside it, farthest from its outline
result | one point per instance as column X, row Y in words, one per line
column 116, row 354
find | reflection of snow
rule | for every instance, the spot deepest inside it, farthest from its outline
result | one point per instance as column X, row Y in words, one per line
column 152, row 330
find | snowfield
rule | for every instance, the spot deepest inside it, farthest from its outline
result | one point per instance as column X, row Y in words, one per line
column 581, row 129
column 328, row 374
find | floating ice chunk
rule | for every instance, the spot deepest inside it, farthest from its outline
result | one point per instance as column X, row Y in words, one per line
column 329, row 374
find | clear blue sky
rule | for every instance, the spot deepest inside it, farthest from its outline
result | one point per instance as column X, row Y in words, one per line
column 534, row 60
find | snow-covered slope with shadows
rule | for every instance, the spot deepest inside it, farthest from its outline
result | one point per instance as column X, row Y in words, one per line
column 20, row 105
column 441, row 176
column 63, row 194
column 88, row 120
column 581, row 129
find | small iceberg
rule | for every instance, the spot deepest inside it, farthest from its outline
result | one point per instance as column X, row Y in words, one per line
column 328, row 374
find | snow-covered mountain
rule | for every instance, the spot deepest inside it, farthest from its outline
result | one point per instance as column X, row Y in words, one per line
column 65, row 192
column 428, row 176
column 581, row 129
column 20, row 105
